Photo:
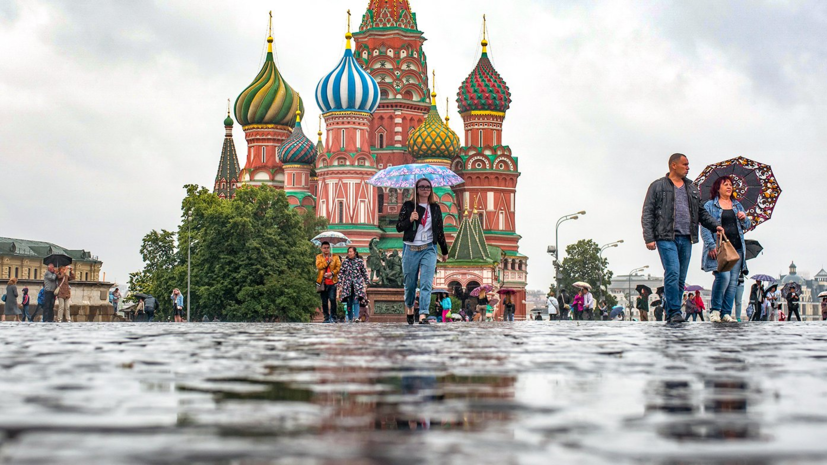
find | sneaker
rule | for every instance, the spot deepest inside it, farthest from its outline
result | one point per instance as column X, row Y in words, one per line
column 727, row 319
column 715, row 316
column 678, row 318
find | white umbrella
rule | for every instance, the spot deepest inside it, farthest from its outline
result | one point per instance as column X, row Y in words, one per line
column 822, row 295
column 336, row 239
column 581, row 285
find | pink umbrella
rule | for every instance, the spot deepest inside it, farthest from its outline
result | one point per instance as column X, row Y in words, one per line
column 484, row 287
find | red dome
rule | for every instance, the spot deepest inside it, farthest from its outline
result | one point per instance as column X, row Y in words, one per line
column 484, row 89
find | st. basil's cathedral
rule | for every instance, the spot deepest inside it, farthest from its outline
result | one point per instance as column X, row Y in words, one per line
column 379, row 112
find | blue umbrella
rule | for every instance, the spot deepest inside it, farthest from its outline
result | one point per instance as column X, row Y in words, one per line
column 405, row 176
column 693, row 288
column 617, row 311
column 763, row 277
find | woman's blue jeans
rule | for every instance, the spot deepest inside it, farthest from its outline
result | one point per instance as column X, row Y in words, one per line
column 724, row 288
column 419, row 266
column 352, row 307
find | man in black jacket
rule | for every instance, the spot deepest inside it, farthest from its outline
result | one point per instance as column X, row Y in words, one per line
column 671, row 213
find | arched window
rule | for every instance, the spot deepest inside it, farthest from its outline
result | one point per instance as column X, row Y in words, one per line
column 380, row 200
column 380, row 140
column 264, row 155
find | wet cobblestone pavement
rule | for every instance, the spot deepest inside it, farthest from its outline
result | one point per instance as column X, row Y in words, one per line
column 531, row 392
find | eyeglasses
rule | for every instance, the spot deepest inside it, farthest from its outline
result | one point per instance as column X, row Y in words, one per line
column 424, row 187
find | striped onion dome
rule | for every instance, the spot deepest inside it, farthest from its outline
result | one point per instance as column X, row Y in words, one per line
column 297, row 149
column 269, row 99
column 484, row 89
column 433, row 138
column 348, row 87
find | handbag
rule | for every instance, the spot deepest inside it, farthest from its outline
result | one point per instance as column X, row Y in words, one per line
column 320, row 287
column 727, row 255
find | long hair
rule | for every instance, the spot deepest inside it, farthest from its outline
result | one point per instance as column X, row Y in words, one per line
column 415, row 198
column 355, row 252
column 716, row 187
column 12, row 281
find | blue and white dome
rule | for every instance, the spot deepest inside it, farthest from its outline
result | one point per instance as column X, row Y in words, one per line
column 348, row 87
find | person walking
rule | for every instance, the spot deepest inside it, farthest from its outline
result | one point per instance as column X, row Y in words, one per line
column 691, row 307
column 553, row 306
column 116, row 298
column 25, row 301
column 643, row 304
column 577, row 305
column 510, row 308
column 824, row 308
column 792, row 298
column 50, row 285
column 447, row 306
column 64, row 293
column 659, row 309
column 10, row 298
column 699, row 304
column 739, row 296
column 589, row 304
column 756, row 301
column 603, row 309
column 724, row 209
column 353, row 279
column 151, row 305
column 670, row 218
column 564, row 303
column 177, row 305
column 420, row 222
column 769, row 311
column 328, row 267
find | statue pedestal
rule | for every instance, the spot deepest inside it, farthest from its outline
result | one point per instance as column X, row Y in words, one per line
column 387, row 305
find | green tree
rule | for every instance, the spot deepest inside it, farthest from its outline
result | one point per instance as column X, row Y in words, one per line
column 251, row 260
column 159, row 254
column 583, row 263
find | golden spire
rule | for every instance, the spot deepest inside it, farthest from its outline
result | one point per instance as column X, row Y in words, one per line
column 348, row 36
column 433, row 86
column 484, row 42
column 228, row 107
column 320, row 128
column 270, row 34
column 475, row 206
column 298, row 116
column 447, row 108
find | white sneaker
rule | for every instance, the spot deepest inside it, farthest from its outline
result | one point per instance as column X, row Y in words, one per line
column 715, row 316
column 728, row 319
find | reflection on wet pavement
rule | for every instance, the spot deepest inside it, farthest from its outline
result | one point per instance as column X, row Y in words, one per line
column 530, row 392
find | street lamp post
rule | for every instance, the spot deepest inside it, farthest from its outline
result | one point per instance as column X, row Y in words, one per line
column 564, row 218
column 189, row 255
column 631, row 307
column 600, row 255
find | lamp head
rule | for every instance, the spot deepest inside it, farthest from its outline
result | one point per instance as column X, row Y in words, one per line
column 574, row 217
column 581, row 212
column 552, row 250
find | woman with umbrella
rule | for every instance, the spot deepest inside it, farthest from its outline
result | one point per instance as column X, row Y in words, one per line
column 770, row 312
column 420, row 222
column 733, row 218
column 643, row 301
column 792, row 297
column 353, row 279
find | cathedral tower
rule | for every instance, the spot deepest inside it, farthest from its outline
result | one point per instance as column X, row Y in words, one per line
column 297, row 154
column 266, row 110
column 347, row 97
column 226, row 180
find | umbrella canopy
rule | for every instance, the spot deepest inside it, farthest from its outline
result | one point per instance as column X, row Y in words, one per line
column 789, row 287
column 822, row 295
column 643, row 288
column 753, row 248
column 58, row 260
column 405, row 176
column 616, row 311
column 141, row 295
column 336, row 239
column 659, row 290
column 505, row 291
column 484, row 287
column 772, row 288
column 493, row 301
column 693, row 288
column 763, row 277
column 581, row 285
column 754, row 186
column 655, row 303
column 439, row 291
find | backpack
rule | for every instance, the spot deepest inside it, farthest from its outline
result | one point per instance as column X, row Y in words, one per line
column 111, row 297
column 41, row 296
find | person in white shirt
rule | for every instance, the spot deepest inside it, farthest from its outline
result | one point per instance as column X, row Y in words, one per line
column 553, row 306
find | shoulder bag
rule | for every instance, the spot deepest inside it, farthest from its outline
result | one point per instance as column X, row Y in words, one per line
column 727, row 255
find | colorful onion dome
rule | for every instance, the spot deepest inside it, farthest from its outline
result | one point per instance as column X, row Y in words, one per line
column 484, row 89
column 297, row 149
column 348, row 87
column 269, row 99
column 433, row 138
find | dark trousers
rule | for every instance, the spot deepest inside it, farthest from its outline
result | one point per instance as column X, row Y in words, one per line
column 329, row 302
column 797, row 315
column 150, row 315
column 578, row 314
column 49, row 306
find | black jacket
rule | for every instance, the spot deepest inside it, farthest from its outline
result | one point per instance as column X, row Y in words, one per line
column 658, row 218
column 408, row 228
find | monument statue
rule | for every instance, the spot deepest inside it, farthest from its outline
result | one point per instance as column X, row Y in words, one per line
column 385, row 270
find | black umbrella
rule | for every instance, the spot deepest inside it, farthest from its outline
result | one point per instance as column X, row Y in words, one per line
column 656, row 303
column 790, row 286
column 642, row 287
column 659, row 290
column 141, row 295
column 753, row 248
column 58, row 260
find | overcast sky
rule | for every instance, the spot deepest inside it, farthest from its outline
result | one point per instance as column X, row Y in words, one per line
column 110, row 107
